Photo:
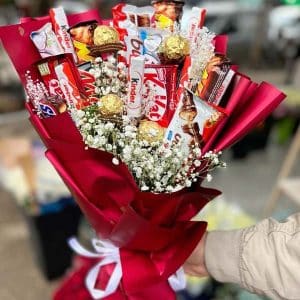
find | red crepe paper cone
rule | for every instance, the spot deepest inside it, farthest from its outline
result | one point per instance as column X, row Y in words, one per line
column 240, row 87
column 263, row 101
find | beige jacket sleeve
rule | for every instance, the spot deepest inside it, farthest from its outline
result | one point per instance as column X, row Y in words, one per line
column 264, row 259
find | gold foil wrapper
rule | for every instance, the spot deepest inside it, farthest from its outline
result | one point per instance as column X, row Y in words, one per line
column 111, row 105
column 150, row 131
column 175, row 48
column 104, row 35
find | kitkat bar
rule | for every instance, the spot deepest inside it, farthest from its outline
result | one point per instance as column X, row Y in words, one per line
column 196, row 21
column 160, row 81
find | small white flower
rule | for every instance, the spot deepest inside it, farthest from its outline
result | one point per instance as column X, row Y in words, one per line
column 197, row 163
column 188, row 183
column 115, row 161
column 208, row 177
column 144, row 188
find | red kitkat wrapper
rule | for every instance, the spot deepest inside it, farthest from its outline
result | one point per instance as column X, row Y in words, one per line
column 161, row 81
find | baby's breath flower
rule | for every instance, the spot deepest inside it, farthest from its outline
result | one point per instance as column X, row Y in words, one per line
column 115, row 161
column 209, row 177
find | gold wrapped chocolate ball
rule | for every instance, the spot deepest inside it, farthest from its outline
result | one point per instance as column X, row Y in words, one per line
column 150, row 131
column 111, row 105
column 104, row 35
column 174, row 48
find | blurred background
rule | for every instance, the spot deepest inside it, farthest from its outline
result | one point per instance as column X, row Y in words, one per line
column 262, row 177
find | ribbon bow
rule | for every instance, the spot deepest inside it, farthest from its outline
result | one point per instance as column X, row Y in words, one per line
column 111, row 254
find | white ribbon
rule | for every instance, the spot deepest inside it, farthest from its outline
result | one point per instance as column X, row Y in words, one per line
column 111, row 254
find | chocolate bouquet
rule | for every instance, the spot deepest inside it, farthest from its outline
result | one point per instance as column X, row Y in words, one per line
column 135, row 112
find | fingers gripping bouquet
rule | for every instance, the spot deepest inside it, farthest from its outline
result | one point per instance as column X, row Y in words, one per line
column 135, row 113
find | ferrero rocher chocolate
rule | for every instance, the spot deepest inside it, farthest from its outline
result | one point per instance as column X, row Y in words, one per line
column 150, row 131
column 111, row 105
column 174, row 48
column 106, row 40
column 104, row 35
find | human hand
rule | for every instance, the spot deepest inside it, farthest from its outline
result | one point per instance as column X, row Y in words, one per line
column 195, row 264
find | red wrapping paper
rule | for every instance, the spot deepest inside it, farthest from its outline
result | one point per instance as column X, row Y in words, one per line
column 263, row 101
column 125, row 215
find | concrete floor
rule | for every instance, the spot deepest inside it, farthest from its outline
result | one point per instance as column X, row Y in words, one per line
column 246, row 182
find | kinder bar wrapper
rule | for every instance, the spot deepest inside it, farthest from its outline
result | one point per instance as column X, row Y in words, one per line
column 196, row 21
column 46, row 41
column 61, row 26
column 134, row 47
column 127, row 18
column 17, row 43
column 160, row 85
column 136, row 77
column 193, row 122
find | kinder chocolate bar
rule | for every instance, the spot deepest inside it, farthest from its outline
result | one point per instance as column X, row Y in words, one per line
column 136, row 76
column 191, row 121
column 140, row 16
column 46, row 41
column 61, row 26
column 127, row 18
column 69, row 85
column 134, row 47
column 160, row 93
column 196, row 21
